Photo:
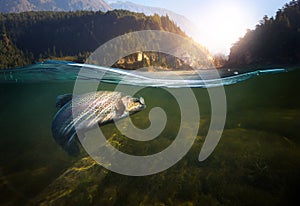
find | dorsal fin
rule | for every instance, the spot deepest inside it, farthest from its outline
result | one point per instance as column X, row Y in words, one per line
column 61, row 100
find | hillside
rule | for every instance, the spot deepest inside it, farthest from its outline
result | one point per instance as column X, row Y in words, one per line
column 34, row 36
column 16, row 6
column 180, row 20
column 10, row 55
column 275, row 41
column 147, row 10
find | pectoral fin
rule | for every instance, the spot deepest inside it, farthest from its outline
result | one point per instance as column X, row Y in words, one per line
column 72, row 146
column 120, row 109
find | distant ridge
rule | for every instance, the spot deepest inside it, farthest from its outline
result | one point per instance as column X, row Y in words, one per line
column 17, row 6
column 180, row 20
column 147, row 10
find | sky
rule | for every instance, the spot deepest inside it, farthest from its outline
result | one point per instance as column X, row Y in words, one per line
column 219, row 23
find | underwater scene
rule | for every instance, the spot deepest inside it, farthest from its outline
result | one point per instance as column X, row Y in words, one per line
column 149, row 103
column 256, row 162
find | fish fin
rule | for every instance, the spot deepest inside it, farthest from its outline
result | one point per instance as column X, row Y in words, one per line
column 120, row 108
column 61, row 100
column 72, row 146
column 71, row 139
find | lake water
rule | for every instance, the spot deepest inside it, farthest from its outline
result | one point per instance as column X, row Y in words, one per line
column 256, row 162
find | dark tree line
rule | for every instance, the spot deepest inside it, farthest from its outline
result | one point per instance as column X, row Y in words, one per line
column 275, row 41
column 33, row 36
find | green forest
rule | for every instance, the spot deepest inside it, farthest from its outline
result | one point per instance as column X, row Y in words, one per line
column 34, row 36
column 275, row 41
column 30, row 37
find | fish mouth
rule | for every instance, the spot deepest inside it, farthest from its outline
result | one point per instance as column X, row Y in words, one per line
column 141, row 103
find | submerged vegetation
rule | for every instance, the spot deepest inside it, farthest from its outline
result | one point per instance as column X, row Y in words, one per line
column 275, row 41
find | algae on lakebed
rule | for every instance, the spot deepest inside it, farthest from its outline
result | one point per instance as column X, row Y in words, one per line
column 249, row 166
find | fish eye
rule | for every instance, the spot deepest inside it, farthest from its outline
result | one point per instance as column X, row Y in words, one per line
column 141, row 100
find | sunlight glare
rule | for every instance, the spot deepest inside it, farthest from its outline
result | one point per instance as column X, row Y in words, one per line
column 224, row 26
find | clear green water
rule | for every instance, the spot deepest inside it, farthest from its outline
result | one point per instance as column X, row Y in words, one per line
column 257, row 161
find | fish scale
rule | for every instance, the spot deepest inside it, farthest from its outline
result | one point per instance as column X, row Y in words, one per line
column 81, row 113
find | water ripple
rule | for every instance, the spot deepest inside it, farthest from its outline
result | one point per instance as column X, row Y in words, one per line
column 50, row 71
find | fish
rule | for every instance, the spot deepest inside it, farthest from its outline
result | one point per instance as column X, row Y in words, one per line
column 80, row 113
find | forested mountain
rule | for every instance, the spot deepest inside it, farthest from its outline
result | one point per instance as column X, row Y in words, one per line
column 186, row 25
column 9, row 6
column 147, row 10
column 275, row 41
column 32, row 36
column 17, row 6
column 10, row 55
